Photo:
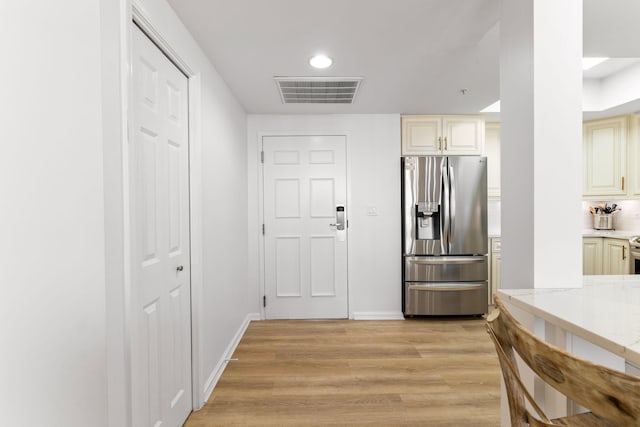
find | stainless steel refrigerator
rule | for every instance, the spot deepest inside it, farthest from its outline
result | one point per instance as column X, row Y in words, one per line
column 444, row 228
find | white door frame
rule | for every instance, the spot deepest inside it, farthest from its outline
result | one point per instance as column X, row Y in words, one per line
column 135, row 14
column 261, row 136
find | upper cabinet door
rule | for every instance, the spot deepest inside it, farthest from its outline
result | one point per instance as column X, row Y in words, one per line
column 492, row 151
column 634, row 156
column 605, row 143
column 421, row 135
column 442, row 135
column 463, row 135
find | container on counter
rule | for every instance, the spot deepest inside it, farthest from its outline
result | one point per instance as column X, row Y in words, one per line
column 603, row 221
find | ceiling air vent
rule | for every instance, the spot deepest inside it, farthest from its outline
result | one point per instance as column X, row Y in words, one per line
column 318, row 90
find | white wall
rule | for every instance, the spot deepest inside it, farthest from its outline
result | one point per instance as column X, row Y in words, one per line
column 592, row 96
column 52, row 310
column 609, row 92
column 493, row 217
column 227, row 297
column 373, row 152
column 223, row 298
column 63, row 361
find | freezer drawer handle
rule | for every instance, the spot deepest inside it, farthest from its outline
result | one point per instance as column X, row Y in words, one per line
column 447, row 260
column 445, row 288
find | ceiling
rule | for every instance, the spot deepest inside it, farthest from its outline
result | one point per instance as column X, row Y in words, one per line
column 415, row 56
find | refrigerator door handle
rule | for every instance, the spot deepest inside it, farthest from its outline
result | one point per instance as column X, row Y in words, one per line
column 452, row 206
column 443, row 260
column 444, row 223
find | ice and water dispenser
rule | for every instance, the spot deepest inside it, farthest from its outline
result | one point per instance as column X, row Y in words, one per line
column 428, row 218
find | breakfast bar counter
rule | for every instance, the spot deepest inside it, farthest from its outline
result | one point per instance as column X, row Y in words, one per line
column 599, row 322
column 604, row 312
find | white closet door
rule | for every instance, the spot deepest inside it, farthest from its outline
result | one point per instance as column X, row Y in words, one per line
column 161, row 324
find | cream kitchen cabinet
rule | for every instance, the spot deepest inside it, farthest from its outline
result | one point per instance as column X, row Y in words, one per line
column 591, row 256
column 605, row 255
column 492, row 151
column 634, row 155
column 451, row 135
column 615, row 256
column 495, row 266
column 605, row 157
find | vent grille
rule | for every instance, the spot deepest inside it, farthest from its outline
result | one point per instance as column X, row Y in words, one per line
column 318, row 90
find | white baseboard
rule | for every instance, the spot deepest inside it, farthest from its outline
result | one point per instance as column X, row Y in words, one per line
column 215, row 375
column 378, row 315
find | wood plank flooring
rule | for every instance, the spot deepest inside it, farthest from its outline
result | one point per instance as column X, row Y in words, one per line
column 423, row 372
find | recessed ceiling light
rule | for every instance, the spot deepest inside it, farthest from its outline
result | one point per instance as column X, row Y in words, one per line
column 320, row 61
column 591, row 62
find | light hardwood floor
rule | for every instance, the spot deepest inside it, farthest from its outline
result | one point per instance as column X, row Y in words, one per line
column 426, row 372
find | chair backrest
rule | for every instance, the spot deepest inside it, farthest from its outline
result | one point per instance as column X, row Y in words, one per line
column 610, row 394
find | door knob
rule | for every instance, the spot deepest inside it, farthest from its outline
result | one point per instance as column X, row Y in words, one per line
column 179, row 268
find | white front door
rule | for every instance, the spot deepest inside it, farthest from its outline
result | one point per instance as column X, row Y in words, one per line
column 161, row 296
column 305, row 195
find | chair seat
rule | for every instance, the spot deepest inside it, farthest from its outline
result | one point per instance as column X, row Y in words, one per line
column 588, row 419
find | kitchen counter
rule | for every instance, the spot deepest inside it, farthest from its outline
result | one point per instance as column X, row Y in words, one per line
column 614, row 234
column 605, row 311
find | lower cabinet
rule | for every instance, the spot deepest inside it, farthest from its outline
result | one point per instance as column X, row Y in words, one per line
column 605, row 255
column 616, row 256
column 494, row 272
column 591, row 256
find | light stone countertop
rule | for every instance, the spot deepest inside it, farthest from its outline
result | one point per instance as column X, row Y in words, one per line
column 605, row 311
column 616, row 234
column 590, row 232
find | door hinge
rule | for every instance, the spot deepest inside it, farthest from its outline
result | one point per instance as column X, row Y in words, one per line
column 263, row 229
column 262, row 157
column 264, row 300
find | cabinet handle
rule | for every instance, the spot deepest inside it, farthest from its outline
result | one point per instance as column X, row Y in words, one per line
column 624, row 256
column 623, row 183
column 439, row 143
column 445, row 147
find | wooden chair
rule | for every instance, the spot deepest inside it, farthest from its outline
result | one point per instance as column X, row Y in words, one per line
column 612, row 396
